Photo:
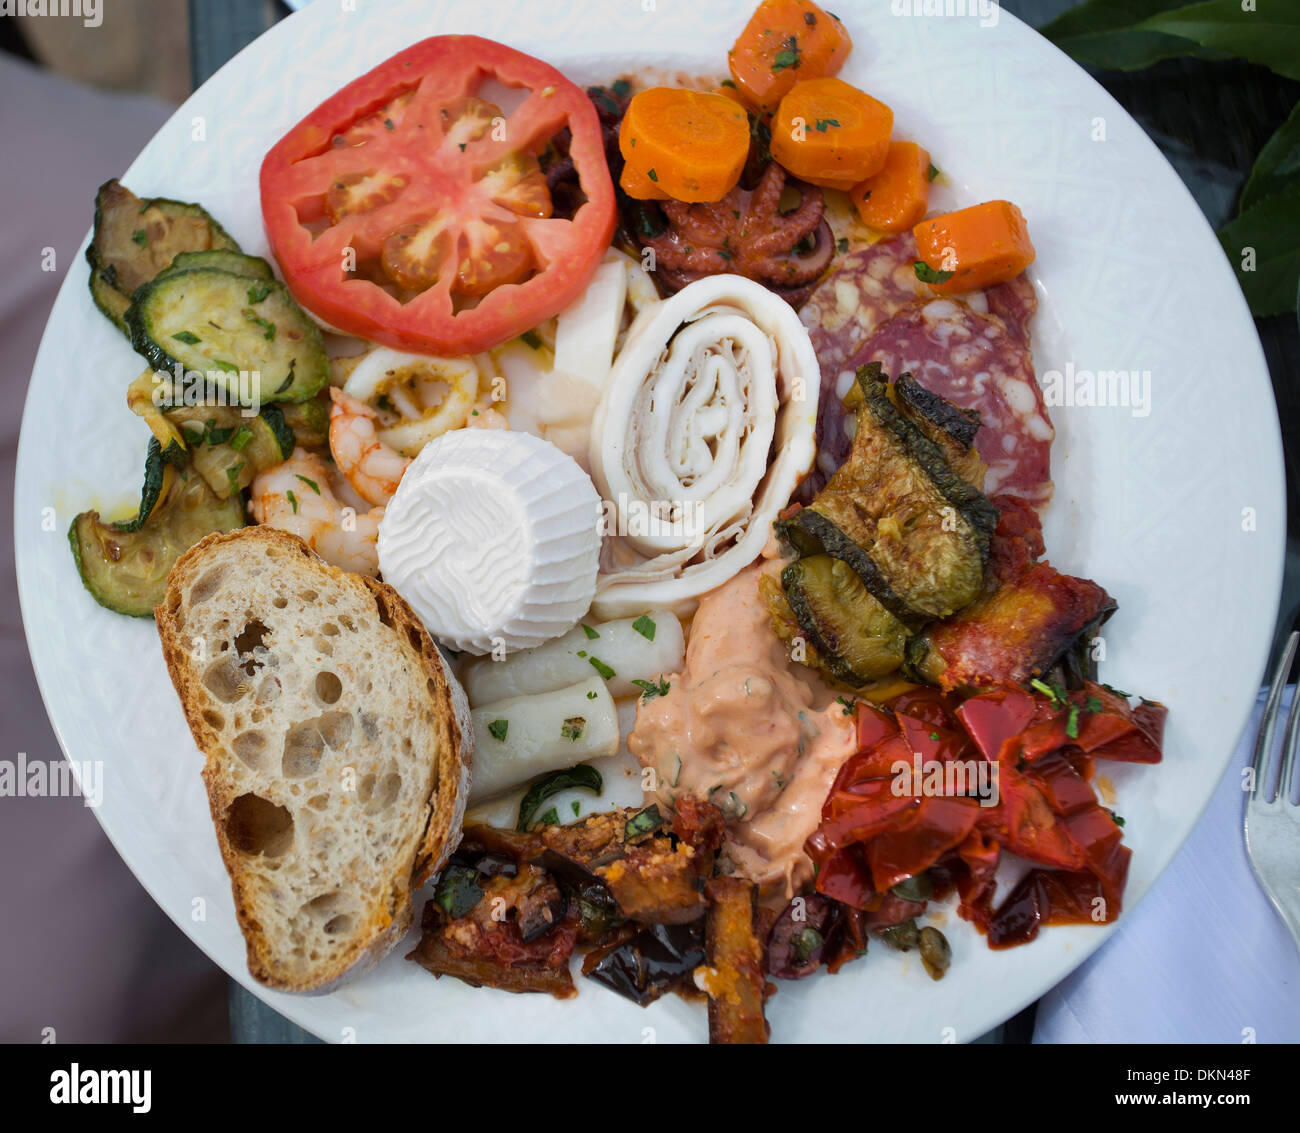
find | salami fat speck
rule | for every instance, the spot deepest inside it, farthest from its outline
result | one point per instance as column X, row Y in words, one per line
column 977, row 362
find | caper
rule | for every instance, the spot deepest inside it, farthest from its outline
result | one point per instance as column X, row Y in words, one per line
column 915, row 888
column 936, row 955
column 901, row 937
column 806, row 942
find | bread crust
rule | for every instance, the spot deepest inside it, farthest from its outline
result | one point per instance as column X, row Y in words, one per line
column 443, row 810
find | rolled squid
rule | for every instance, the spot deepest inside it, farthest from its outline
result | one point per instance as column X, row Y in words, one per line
column 705, row 427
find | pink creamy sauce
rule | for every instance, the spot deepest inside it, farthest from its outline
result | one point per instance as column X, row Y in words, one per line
column 750, row 731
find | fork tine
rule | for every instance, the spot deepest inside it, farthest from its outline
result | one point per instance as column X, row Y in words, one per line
column 1286, row 774
column 1268, row 724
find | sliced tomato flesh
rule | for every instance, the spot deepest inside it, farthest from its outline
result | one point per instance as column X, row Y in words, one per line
column 411, row 209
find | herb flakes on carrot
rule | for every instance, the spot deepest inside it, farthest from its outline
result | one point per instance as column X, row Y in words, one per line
column 692, row 145
column 831, row 134
column 785, row 41
column 974, row 247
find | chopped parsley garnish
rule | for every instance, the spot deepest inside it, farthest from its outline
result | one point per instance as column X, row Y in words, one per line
column 848, row 704
column 934, row 736
column 1117, row 691
column 1115, row 818
column 240, row 440
column 1054, row 694
column 600, row 667
column 577, row 808
column 645, row 626
column 550, row 818
column 651, row 689
column 462, row 146
column 926, row 274
column 293, row 500
column 842, row 245
column 652, row 175
column 140, row 236
column 259, row 291
column 824, row 124
column 388, row 124
column 193, row 437
column 217, row 436
column 591, row 695
column 1092, row 705
column 788, row 57
column 268, row 327
column 932, row 172
column 591, row 633
column 311, row 484
column 572, row 727
column 1072, row 722
column 225, row 367
column 232, row 474
column 498, row 729
column 186, row 337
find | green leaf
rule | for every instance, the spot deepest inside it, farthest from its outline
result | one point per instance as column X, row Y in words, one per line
column 645, row 626
column 926, row 274
column 1101, row 33
column 588, row 778
column 1270, row 35
column 600, row 667
column 1278, row 163
column 1272, row 229
column 499, row 729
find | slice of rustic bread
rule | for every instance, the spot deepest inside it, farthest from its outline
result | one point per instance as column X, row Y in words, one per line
column 337, row 748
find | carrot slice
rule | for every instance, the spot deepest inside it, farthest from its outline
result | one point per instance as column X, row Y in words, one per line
column 691, row 144
column 639, row 186
column 895, row 198
column 785, row 41
column 981, row 245
column 831, row 134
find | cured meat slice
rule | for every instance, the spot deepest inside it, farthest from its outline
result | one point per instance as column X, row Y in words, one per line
column 868, row 288
column 975, row 361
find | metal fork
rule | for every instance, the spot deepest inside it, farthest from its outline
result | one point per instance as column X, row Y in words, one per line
column 1273, row 827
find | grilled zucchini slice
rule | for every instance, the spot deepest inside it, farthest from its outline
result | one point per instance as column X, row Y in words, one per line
column 135, row 239
column 227, row 448
column 125, row 566
column 237, row 263
column 309, row 421
column 921, row 528
column 217, row 323
column 854, row 639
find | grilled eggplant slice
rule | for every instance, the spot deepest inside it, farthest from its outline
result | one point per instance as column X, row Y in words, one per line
column 733, row 977
column 925, row 529
column 213, row 322
column 1018, row 632
column 135, row 239
column 125, row 566
column 854, row 639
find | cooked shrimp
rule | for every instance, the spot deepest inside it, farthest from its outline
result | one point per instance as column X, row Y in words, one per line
column 302, row 496
column 371, row 467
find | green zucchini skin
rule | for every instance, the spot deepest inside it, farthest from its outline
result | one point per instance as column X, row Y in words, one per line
column 237, row 263
column 126, row 570
column 273, row 415
column 921, row 531
column 857, row 640
column 961, row 425
column 216, row 305
column 156, row 461
column 309, row 422
column 133, row 239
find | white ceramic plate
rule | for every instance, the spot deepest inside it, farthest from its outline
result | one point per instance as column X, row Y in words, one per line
column 1154, row 507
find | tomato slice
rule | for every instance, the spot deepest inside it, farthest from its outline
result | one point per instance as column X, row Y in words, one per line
column 411, row 210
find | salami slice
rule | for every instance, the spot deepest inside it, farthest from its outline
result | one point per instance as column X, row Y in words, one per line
column 869, row 287
column 977, row 362
column 867, row 290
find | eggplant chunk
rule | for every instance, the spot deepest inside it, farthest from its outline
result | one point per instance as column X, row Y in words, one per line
column 923, row 529
column 733, row 975
column 1018, row 632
